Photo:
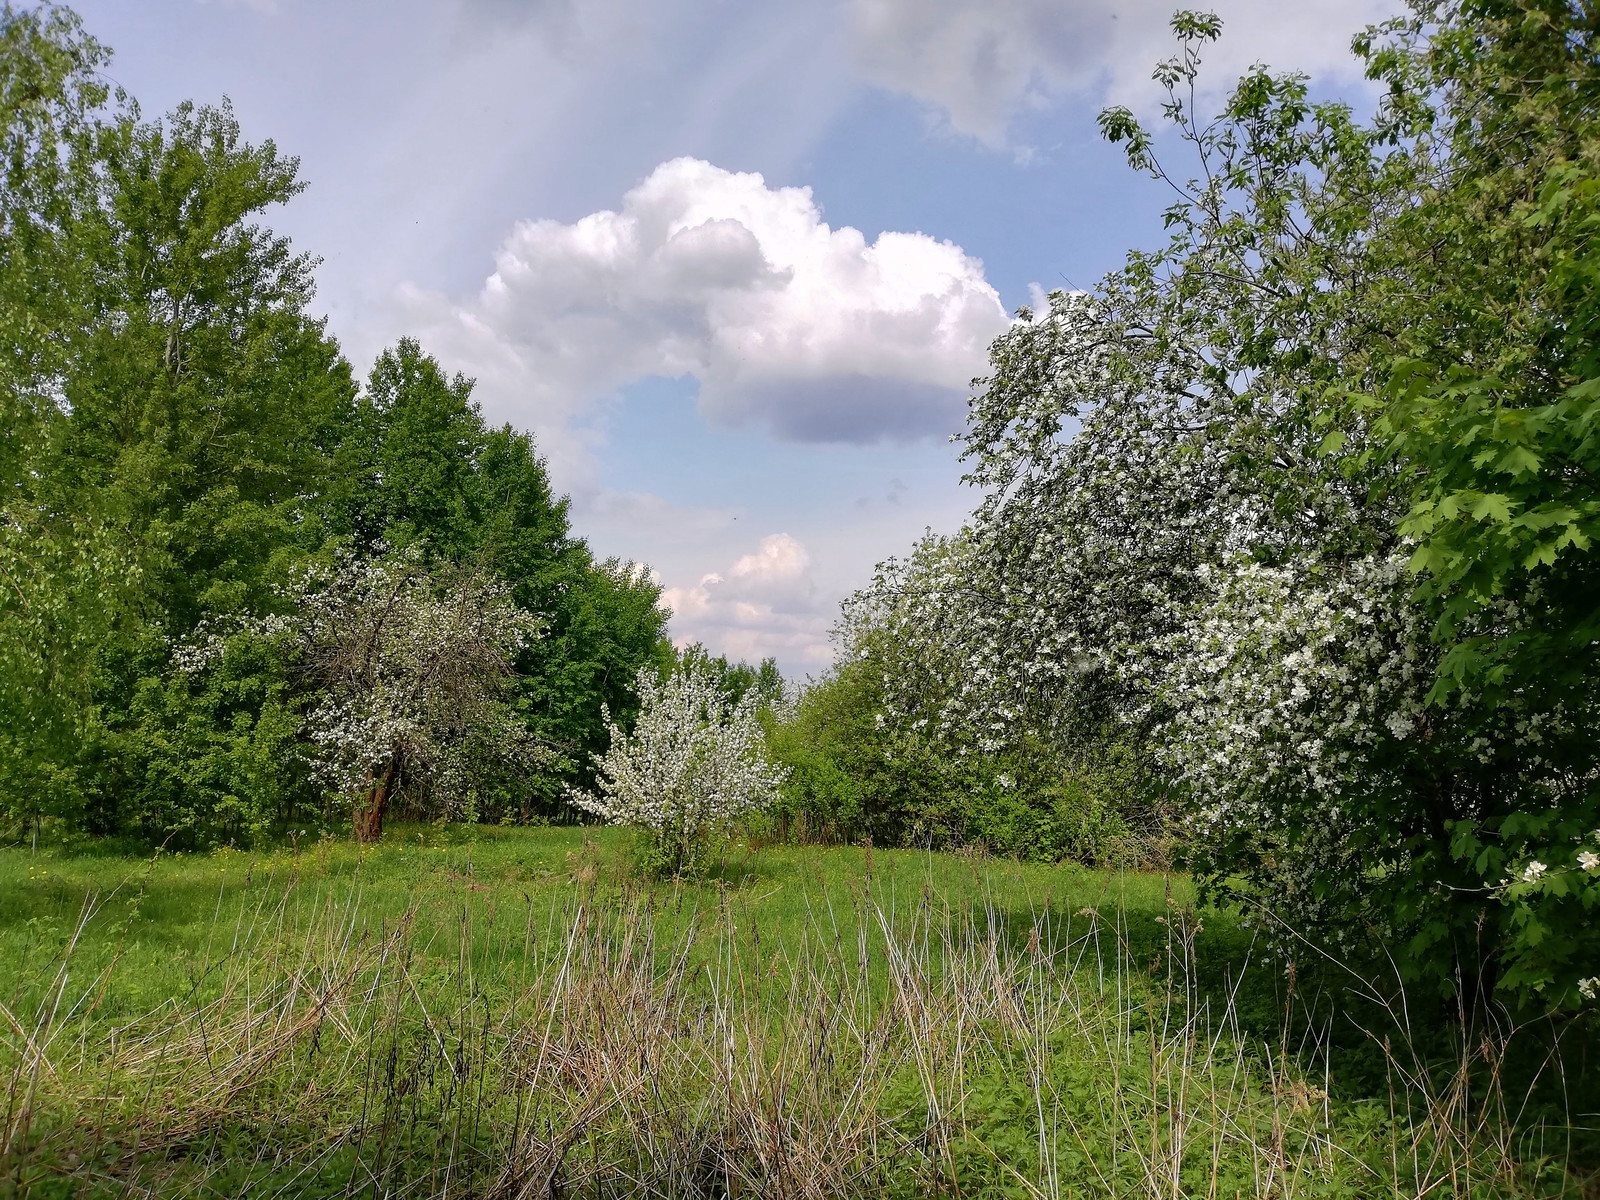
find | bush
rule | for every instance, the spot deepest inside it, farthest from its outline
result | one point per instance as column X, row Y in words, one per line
column 694, row 763
column 206, row 756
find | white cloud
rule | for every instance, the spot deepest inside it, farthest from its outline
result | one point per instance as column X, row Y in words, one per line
column 814, row 332
column 980, row 62
column 766, row 603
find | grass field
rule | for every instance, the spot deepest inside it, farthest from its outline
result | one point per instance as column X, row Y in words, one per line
column 513, row 1013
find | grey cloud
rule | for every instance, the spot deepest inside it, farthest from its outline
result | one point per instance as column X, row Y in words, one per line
column 845, row 408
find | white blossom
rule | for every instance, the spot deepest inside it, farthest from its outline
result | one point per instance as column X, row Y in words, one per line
column 1170, row 551
column 693, row 764
column 406, row 670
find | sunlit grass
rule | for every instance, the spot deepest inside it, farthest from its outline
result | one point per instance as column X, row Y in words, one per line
column 515, row 1013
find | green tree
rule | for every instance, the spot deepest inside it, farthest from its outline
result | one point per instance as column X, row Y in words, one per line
column 418, row 466
column 407, row 459
column 66, row 566
column 163, row 387
column 1492, row 404
column 194, row 399
column 195, row 407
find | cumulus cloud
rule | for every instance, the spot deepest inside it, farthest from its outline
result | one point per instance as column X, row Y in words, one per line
column 766, row 603
column 980, row 62
column 814, row 332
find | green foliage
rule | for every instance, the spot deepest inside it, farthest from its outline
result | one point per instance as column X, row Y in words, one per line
column 844, row 781
column 208, row 757
column 189, row 399
column 165, row 454
column 179, row 433
column 1494, row 393
column 853, row 775
column 65, row 568
column 1491, row 403
column 406, row 459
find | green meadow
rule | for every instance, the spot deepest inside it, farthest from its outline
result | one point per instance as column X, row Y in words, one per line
column 485, row 1011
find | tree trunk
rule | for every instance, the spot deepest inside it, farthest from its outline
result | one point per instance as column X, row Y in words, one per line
column 368, row 821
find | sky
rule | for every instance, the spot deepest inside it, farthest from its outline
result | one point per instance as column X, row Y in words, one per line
column 733, row 264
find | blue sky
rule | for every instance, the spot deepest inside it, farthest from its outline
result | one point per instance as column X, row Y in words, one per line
column 733, row 263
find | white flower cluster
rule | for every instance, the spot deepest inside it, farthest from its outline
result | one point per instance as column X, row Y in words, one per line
column 1188, row 541
column 1111, row 493
column 693, row 763
column 1179, row 554
column 1534, row 877
column 1288, row 681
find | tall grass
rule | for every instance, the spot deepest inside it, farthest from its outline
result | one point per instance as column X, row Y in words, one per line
column 627, row 1041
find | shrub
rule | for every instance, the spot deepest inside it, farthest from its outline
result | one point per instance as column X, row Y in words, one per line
column 854, row 772
column 694, row 763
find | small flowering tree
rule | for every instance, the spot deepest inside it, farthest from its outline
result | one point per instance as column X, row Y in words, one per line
column 403, row 676
column 411, row 672
column 693, row 763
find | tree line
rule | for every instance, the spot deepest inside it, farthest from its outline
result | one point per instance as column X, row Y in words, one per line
column 239, row 589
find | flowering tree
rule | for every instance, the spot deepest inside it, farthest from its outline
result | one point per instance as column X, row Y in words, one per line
column 411, row 671
column 693, row 763
column 1192, row 529
column 407, row 674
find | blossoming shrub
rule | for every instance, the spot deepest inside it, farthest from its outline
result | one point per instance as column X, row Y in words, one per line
column 694, row 763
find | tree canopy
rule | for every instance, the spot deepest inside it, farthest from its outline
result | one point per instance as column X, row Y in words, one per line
column 183, row 439
column 1302, row 503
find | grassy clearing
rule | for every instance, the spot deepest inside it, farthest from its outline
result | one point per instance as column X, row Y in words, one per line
column 510, row 1013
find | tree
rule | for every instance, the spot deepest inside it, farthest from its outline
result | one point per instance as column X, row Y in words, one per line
column 694, row 762
column 407, row 459
column 180, row 435
column 196, row 401
column 416, row 465
column 1194, row 523
column 1492, row 400
column 160, row 382
column 409, row 675
column 64, row 570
